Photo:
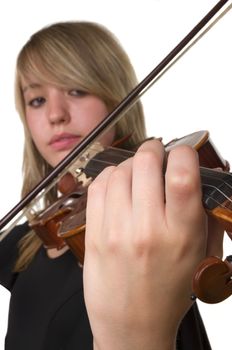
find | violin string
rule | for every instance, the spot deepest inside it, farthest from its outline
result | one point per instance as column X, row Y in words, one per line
column 208, row 174
column 213, row 174
column 222, row 177
column 100, row 160
column 216, row 189
column 222, row 205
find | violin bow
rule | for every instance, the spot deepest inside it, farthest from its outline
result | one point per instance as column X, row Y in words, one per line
column 49, row 181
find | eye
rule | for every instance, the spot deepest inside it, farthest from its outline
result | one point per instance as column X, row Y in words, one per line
column 77, row 92
column 36, row 102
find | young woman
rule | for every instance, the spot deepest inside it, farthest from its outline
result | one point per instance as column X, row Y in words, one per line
column 145, row 234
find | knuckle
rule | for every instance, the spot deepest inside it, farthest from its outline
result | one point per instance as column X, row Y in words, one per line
column 94, row 189
column 184, row 177
column 146, row 158
column 117, row 175
column 182, row 182
column 97, row 186
column 112, row 244
column 153, row 145
column 143, row 244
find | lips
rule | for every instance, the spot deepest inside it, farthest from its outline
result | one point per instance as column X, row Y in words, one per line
column 64, row 141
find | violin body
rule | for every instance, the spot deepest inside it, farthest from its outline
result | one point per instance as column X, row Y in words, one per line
column 64, row 222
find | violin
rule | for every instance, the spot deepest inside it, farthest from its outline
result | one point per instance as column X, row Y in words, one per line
column 64, row 222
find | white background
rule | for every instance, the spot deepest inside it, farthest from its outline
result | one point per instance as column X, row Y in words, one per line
column 194, row 94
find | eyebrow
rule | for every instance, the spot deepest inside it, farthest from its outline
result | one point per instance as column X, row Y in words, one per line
column 31, row 86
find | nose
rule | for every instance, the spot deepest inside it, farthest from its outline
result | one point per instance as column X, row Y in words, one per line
column 58, row 112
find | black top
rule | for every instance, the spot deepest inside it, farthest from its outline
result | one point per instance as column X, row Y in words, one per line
column 47, row 310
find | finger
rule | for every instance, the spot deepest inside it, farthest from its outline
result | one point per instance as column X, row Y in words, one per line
column 148, row 186
column 96, row 204
column 118, row 201
column 183, row 191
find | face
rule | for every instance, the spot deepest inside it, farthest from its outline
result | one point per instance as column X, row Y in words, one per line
column 58, row 119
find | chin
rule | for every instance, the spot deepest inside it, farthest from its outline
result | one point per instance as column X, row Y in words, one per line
column 57, row 157
column 56, row 160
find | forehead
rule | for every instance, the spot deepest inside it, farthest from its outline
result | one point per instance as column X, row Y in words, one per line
column 31, row 82
column 28, row 83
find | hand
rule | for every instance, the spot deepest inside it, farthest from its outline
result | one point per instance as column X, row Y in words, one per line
column 144, row 237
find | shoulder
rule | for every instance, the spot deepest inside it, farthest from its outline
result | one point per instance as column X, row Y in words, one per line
column 15, row 234
column 9, row 253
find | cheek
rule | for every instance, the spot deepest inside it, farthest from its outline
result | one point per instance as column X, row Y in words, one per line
column 31, row 127
column 100, row 112
column 108, row 138
column 35, row 130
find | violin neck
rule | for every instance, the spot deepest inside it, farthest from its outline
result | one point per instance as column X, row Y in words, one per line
column 217, row 188
column 217, row 195
column 110, row 156
column 216, row 184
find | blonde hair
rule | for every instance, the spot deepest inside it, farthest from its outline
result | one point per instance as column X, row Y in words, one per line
column 68, row 54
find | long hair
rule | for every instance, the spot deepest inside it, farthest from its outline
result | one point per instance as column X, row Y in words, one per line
column 70, row 54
